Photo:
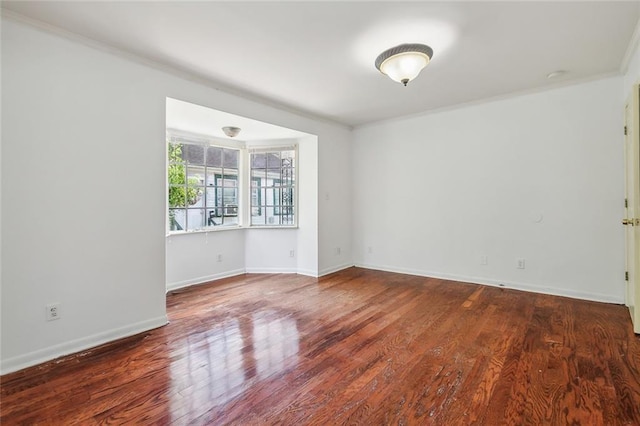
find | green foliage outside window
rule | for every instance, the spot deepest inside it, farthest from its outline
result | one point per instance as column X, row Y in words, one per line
column 182, row 193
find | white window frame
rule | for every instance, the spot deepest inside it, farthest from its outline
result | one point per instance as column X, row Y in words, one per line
column 180, row 136
column 244, row 180
column 296, row 185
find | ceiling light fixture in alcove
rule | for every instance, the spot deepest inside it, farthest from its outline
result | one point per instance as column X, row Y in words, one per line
column 403, row 63
column 556, row 74
column 231, row 131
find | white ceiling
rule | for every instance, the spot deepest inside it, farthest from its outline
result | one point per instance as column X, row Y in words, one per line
column 317, row 57
column 201, row 120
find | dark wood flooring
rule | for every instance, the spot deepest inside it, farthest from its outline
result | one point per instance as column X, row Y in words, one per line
column 355, row 347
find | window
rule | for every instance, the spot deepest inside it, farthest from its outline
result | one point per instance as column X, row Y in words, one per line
column 206, row 189
column 273, row 187
column 203, row 187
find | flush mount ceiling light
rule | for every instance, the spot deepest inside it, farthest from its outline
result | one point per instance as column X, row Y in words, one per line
column 231, row 131
column 556, row 74
column 403, row 63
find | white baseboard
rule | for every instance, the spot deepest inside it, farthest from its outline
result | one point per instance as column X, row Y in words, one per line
column 30, row 359
column 534, row 288
column 308, row 273
column 233, row 273
column 332, row 269
column 265, row 270
column 202, row 280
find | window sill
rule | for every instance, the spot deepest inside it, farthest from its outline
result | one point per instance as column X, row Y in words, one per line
column 272, row 227
column 205, row 231
column 227, row 228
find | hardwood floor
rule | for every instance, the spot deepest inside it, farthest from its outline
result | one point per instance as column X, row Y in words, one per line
column 355, row 347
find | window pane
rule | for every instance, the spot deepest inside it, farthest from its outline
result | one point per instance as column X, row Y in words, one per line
column 194, row 195
column 176, row 174
column 214, row 156
column 288, row 176
column 273, row 159
column 214, row 217
column 230, row 178
column 195, row 219
column 277, row 199
column 259, row 219
column 230, row 158
column 177, row 219
column 230, row 201
column 230, row 220
column 272, row 218
column 288, row 158
column 230, row 210
column 270, row 195
column 258, row 161
column 288, row 219
column 175, row 154
column 216, row 212
column 286, row 210
column 194, row 154
column 262, row 195
column 256, row 200
column 287, row 195
column 211, row 196
column 258, row 175
column 195, row 175
column 230, row 195
column 177, row 196
column 212, row 174
column 274, row 174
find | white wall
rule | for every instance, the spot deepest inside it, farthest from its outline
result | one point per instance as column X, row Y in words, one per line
column 267, row 250
column 78, row 127
column 335, row 203
column 307, row 233
column 537, row 177
column 192, row 258
column 85, row 127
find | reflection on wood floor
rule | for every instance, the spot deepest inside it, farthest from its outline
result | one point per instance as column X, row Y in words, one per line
column 355, row 347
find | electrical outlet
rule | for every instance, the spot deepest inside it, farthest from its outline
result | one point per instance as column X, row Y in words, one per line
column 292, row 253
column 520, row 263
column 484, row 260
column 219, row 258
column 369, row 249
column 338, row 251
column 53, row 311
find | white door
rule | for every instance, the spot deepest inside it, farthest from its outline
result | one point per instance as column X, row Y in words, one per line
column 632, row 205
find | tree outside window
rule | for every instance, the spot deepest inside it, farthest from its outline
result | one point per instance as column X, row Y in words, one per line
column 182, row 192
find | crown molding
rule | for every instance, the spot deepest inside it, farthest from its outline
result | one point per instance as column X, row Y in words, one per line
column 631, row 48
column 491, row 99
column 169, row 68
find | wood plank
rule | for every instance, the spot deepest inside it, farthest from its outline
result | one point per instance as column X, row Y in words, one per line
column 358, row 346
